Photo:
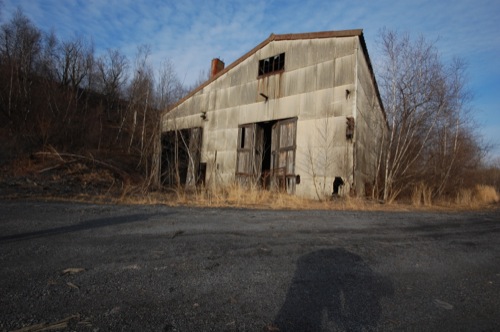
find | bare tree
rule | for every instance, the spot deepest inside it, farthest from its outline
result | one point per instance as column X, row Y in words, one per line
column 167, row 91
column 425, row 102
column 111, row 79
column 20, row 46
column 169, row 88
column 75, row 62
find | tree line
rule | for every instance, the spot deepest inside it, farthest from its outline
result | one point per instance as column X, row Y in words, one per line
column 59, row 93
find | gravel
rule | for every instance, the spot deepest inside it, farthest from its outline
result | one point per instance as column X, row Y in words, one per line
column 89, row 267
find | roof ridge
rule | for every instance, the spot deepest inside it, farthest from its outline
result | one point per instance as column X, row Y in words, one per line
column 319, row 34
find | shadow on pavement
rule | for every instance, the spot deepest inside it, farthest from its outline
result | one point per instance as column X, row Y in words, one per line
column 83, row 226
column 333, row 289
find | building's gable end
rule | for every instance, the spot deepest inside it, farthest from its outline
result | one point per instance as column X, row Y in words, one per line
column 324, row 83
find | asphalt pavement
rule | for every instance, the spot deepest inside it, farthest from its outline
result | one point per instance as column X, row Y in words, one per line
column 87, row 267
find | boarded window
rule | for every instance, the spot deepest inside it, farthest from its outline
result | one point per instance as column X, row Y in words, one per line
column 272, row 64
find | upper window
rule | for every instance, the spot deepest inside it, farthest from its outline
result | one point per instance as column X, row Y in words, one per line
column 272, row 65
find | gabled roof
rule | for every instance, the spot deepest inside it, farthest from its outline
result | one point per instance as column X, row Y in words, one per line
column 290, row 36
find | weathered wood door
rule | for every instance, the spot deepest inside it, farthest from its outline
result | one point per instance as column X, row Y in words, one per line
column 283, row 147
column 249, row 153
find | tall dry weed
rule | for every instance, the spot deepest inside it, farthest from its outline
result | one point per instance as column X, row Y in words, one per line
column 349, row 203
column 486, row 194
column 252, row 196
column 421, row 195
column 478, row 196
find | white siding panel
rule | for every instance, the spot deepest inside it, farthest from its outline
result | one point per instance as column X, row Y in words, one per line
column 345, row 46
column 248, row 93
column 289, row 107
column 344, row 70
column 307, row 106
column 324, row 50
column 325, row 75
column 292, row 84
column 324, row 103
column 310, row 78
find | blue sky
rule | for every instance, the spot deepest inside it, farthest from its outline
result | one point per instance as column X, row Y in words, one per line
column 191, row 32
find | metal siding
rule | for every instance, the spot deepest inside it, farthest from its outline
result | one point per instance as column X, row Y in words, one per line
column 309, row 76
column 307, row 104
column 344, row 70
column 248, row 93
column 292, row 83
column 345, row 46
column 324, row 50
column 325, row 74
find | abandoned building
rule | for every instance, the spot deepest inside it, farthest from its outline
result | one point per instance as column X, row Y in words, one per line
column 299, row 112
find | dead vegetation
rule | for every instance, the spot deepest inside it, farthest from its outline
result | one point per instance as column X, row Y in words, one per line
column 50, row 175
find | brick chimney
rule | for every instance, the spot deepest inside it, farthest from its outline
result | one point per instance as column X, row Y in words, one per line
column 217, row 66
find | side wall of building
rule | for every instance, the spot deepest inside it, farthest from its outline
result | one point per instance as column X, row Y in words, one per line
column 370, row 127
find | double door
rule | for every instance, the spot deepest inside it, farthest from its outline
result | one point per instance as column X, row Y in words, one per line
column 266, row 154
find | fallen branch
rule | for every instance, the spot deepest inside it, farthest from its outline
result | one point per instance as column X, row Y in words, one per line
column 64, row 163
column 76, row 157
column 59, row 325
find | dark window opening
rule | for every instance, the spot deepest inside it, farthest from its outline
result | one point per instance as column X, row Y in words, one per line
column 266, row 160
column 337, row 183
column 271, row 65
column 242, row 139
column 267, row 128
column 181, row 153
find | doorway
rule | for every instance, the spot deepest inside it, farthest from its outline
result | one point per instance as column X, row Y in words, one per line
column 181, row 153
column 266, row 154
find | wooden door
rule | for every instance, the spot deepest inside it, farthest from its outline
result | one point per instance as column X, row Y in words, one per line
column 283, row 147
column 249, row 153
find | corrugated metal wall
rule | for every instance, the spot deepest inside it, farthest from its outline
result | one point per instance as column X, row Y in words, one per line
column 313, row 86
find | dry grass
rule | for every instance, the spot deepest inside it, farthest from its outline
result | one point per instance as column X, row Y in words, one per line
column 236, row 195
column 88, row 182
column 479, row 196
column 239, row 196
column 421, row 195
